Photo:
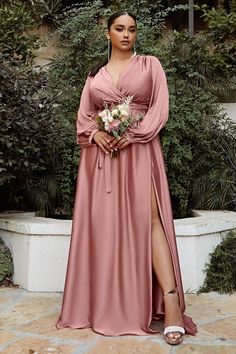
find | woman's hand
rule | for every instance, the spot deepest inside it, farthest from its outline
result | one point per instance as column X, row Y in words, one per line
column 104, row 141
column 121, row 143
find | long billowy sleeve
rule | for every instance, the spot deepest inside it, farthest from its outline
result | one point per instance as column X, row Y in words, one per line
column 85, row 125
column 158, row 110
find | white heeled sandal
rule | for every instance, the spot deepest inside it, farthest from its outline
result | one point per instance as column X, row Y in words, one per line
column 178, row 330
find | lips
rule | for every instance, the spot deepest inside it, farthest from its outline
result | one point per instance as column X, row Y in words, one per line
column 125, row 42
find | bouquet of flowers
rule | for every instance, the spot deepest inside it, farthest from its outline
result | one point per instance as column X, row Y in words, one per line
column 117, row 119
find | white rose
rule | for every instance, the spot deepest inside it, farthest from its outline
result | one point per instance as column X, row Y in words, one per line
column 114, row 112
column 102, row 114
column 124, row 113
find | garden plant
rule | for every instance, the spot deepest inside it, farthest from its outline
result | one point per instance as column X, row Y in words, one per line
column 39, row 156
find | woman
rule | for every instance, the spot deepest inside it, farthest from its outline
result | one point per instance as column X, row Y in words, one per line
column 123, row 267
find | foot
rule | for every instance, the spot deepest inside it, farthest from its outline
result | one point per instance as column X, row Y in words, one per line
column 174, row 326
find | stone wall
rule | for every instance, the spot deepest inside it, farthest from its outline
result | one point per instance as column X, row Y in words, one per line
column 230, row 109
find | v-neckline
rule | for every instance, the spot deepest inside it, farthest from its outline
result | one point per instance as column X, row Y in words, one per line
column 122, row 73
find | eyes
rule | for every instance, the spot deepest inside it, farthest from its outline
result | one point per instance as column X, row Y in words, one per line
column 121, row 29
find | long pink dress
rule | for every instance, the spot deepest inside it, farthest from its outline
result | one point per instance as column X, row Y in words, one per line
column 110, row 284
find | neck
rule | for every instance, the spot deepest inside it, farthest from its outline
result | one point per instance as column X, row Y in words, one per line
column 117, row 55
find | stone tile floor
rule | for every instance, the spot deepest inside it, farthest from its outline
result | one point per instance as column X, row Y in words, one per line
column 27, row 326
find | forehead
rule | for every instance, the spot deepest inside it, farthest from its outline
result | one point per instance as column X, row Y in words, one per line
column 124, row 20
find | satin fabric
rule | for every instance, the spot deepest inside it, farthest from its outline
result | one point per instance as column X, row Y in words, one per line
column 110, row 284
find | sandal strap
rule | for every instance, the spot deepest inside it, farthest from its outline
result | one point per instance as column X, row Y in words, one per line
column 171, row 292
column 171, row 329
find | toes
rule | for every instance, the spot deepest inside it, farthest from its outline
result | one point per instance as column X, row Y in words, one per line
column 174, row 335
column 177, row 335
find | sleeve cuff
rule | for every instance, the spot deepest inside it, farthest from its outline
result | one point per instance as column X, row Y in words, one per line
column 92, row 135
column 129, row 136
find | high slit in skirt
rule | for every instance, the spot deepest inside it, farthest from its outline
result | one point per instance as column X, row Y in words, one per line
column 110, row 286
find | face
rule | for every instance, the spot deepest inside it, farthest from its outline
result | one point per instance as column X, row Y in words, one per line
column 122, row 33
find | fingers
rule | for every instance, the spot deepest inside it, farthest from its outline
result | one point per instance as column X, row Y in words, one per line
column 116, row 142
column 103, row 140
column 126, row 143
column 103, row 148
column 112, row 139
column 108, row 141
column 122, row 143
column 109, row 144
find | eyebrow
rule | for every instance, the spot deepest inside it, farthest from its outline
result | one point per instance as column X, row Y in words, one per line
column 118, row 25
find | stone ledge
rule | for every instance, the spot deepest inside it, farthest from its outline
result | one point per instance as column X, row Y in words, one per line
column 205, row 222
column 29, row 224
column 40, row 247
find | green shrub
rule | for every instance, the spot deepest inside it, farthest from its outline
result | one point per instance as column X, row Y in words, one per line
column 39, row 109
column 45, row 11
column 6, row 263
column 16, row 43
column 196, row 123
column 31, row 135
column 214, row 185
column 221, row 269
column 221, row 37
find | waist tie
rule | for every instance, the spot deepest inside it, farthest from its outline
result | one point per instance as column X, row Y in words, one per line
column 105, row 161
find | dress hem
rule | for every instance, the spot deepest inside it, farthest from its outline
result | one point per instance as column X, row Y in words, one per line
column 141, row 332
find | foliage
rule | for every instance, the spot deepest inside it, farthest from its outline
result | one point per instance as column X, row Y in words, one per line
column 16, row 43
column 45, row 12
column 195, row 122
column 221, row 269
column 38, row 134
column 221, row 38
column 221, row 23
column 215, row 184
column 6, row 263
column 30, row 135
column 184, row 135
column 197, row 64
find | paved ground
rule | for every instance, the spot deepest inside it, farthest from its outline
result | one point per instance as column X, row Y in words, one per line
column 27, row 326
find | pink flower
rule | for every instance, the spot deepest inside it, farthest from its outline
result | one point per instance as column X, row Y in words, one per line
column 114, row 125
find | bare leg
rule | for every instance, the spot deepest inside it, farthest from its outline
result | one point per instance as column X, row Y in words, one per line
column 162, row 264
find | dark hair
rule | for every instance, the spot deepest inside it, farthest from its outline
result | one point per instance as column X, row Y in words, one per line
column 110, row 21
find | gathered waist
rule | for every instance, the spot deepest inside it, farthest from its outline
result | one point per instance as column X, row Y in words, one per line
column 138, row 107
column 133, row 107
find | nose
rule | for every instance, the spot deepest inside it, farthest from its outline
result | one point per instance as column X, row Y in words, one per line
column 126, row 33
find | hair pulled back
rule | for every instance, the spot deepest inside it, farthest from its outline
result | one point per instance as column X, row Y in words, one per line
column 110, row 21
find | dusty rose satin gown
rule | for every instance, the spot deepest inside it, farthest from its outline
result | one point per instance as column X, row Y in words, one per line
column 110, row 285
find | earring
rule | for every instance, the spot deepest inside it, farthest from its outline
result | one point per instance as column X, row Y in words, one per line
column 108, row 49
column 134, row 51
